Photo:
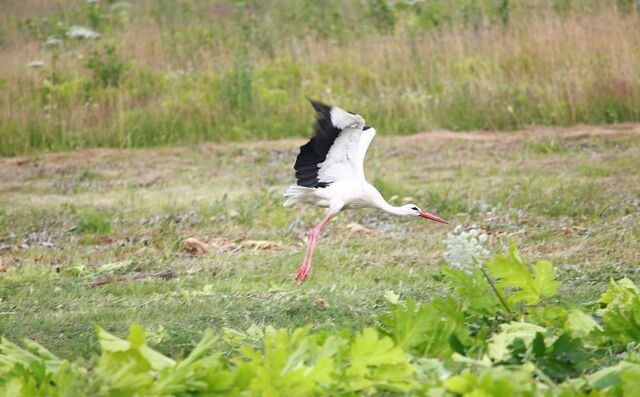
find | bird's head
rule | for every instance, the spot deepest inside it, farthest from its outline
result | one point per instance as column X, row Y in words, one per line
column 343, row 119
column 414, row 210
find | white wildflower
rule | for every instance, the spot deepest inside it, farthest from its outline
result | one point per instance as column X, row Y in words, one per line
column 465, row 249
column 52, row 42
column 36, row 64
column 391, row 297
column 121, row 6
column 80, row 32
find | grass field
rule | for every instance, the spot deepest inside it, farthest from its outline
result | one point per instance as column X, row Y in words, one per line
column 182, row 72
column 97, row 236
column 145, row 147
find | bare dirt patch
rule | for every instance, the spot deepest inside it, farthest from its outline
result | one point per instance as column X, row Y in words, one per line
column 154, row 165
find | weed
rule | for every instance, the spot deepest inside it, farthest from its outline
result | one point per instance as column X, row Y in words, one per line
column 106, row 66
column 383, row 15
column 94, row 222
column 236, row 86
column 549, row 146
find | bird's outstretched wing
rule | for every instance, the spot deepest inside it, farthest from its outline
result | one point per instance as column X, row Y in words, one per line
column 337, row 149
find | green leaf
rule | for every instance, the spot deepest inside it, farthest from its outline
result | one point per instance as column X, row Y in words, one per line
column 580, row 324
column 499, row 343
column 425, row 329
column 136, row 342
column 10, row 354
column 456, row 344
column 369, row 350
column 538, row 346
column 566, row 357
column 198, row 372
column 376, row 363
column 550, row 316
column 461, row 384
column 294, row 363
column 544, row 282
column 530, row 287
column 110, row 343
column 611, row 378
column 619, row 293
column 630, row 377
column 409, row 325
column 136, row 336
column 621, row 312
column 474, row 292
column 496, row 381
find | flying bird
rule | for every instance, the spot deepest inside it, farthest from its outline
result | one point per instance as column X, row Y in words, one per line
column 330, row 173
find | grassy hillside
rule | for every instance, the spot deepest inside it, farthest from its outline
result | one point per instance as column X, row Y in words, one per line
column 174, row 72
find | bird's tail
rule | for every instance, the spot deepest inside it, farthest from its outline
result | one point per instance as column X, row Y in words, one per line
column 296, row 194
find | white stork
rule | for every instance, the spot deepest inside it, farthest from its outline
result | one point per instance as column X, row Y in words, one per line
column 330, row 173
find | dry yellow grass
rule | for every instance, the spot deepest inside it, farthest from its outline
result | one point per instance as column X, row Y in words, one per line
column 223, row 72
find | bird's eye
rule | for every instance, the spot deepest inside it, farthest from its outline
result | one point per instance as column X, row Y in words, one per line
column 414, row 208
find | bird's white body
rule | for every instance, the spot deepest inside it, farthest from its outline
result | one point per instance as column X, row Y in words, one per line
column 330, row 172
column 341, row 194
column 343, row 168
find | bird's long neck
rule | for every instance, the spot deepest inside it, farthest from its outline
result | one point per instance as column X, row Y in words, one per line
column 382, row 204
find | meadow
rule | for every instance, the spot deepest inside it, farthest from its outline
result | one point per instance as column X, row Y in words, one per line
column 99, row 237
column 145, row 147
column 158, row 73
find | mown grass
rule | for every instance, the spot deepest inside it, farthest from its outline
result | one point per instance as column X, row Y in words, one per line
column 76, row 229
column 167, row 72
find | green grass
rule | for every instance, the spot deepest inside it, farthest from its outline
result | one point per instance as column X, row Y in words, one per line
column 166, row 72
column 94, row 222
column 68, row 222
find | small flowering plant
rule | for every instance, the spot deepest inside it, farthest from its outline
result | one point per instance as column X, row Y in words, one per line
column 465, row 255
column 465, row 249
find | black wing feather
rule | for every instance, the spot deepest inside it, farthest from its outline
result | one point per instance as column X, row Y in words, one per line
column 315, row 151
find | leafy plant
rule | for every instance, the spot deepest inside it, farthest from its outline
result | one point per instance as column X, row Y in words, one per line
column 530, row 286
column 383, row 14
column 426, row 329
column 620, row 311
column 564, row 358
column 107, row 66
column 432, row 348
column 475, row 295
column 237, row 85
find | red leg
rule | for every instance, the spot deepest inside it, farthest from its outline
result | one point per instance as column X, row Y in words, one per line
column 305, row 268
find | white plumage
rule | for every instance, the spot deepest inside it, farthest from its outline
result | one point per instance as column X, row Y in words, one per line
column 330, row 173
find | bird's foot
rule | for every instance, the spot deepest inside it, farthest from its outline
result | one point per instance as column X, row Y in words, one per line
column 303, row 272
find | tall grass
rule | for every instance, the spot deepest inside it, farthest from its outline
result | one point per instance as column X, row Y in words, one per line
column 174, row 72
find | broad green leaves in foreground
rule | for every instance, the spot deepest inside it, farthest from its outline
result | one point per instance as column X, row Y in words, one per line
column 621, row 311
column 461, row 343
column 530, row 287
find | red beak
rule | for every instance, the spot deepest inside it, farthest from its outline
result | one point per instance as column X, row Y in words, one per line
column 433, row 217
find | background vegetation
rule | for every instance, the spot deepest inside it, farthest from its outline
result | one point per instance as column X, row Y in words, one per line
column 164, row 72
